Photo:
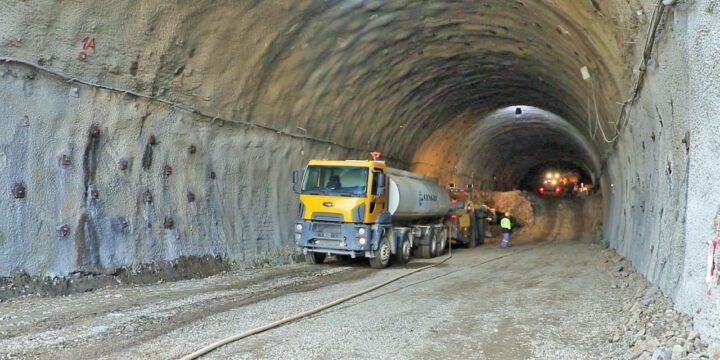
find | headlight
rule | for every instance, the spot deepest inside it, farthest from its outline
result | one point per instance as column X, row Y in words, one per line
column 298, row 227
column 362, row 241
column 297, row 236
column 361, row 231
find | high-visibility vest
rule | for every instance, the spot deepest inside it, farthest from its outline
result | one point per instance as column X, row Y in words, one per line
column 505, row 223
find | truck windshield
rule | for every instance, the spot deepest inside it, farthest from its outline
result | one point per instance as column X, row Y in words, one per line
column 336, row 180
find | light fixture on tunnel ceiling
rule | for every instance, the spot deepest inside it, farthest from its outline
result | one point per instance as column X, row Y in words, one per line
column 518, row 112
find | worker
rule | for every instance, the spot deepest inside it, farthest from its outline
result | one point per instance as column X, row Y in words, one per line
column 506, row 227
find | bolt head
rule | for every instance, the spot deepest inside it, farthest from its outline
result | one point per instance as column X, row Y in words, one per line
column 94, row 194
column 147, row 196
column 167, row 170
column 94, row 131
column 152, row 140
column 19, row 191
column 169, row 223
column 190, row 197
column 123, row 165
column 65, row 160
column 192, row 149
column 63, row 230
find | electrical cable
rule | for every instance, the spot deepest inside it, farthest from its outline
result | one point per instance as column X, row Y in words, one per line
column 598, row 124
column 210, row 119
column 625, row 111
column 316, row 310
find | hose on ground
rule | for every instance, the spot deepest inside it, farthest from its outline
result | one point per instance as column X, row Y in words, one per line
column 316, row 310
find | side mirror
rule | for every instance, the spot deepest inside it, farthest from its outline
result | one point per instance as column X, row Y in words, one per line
column 381, row 183
column 295, row 181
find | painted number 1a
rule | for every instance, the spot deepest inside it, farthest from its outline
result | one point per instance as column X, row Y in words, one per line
column 88, row 43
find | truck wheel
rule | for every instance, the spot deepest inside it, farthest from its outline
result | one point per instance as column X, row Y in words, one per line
column 442, row 240
column 433, row 243
column 403, row 255
column 315, row 258
column 382, row 255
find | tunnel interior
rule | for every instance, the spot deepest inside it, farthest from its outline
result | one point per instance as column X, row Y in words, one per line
column 506, row 149
column 438, row 93
column 480, row 93
column 148, row 135
column 436, row 88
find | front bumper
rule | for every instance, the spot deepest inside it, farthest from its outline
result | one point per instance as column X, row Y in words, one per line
column 334, row 238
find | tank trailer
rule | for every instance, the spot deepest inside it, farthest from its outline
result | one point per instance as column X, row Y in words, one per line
column 357, row 208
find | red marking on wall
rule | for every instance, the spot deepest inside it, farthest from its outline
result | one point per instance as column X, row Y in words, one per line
column 87, row 44
column 713, row 265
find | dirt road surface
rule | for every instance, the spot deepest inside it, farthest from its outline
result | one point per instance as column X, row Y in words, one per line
column 555, row 300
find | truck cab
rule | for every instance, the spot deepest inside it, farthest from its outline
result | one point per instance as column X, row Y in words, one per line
column 342, row 208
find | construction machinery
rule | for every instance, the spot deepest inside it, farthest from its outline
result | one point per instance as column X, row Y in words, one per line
column 358, row 208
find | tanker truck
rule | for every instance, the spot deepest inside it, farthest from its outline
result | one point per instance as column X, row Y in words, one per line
column 358, row 208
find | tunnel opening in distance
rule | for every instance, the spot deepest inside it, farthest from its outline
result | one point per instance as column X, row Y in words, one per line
column 504, row 157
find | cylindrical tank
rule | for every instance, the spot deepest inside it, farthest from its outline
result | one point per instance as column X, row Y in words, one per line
column 412, row 196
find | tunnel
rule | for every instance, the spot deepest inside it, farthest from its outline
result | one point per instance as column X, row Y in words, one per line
column 160, row 137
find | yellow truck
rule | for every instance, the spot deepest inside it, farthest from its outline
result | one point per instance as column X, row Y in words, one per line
column 358, row 208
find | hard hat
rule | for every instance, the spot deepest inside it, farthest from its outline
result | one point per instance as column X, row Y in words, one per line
column 507, row 214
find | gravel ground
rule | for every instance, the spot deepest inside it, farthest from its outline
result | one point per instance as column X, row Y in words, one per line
column 557, row 300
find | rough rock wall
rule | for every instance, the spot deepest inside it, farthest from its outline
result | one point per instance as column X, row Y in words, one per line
column 112, row 180
column 661, row 184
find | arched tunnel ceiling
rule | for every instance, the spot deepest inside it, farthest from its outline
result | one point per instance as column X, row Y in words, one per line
column 361, row 72
column 365, row 74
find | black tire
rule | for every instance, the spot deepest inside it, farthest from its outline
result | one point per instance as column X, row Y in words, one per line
column 442, row 240
column 403, row 252
column 315, row 258
column 433, row 243
column 382, row 255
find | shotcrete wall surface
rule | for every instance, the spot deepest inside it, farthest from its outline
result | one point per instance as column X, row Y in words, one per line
column 124, row 200
column 661, row 183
